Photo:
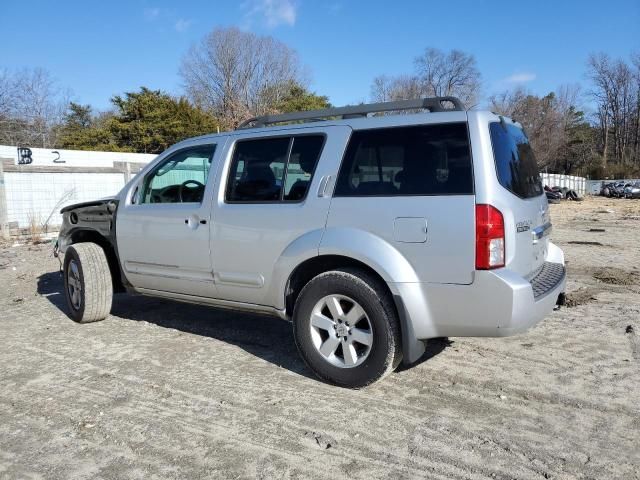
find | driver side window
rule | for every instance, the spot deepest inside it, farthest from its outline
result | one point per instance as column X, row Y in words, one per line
column 181, row 178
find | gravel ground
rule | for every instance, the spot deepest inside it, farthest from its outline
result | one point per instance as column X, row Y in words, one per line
column 168, row 390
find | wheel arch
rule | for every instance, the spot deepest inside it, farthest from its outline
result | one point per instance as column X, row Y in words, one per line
column 412, row 348
column 314, row 266
column 349, row 247
column 323, row 250
column 81, row 235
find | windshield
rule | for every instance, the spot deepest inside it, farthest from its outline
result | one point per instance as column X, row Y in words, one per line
column 515, row 162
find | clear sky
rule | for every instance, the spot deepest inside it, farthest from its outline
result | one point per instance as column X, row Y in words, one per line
column 98, row 49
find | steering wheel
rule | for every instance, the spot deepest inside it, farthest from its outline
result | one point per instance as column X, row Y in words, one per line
column 184, row 184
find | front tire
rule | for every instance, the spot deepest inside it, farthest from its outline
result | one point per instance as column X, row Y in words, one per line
column 87, row 282
column 346, row 328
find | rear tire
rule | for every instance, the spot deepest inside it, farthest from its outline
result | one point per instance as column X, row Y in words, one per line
column 87, row 282
column 334, row 313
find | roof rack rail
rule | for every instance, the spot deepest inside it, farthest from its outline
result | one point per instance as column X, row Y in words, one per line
column 433, row 104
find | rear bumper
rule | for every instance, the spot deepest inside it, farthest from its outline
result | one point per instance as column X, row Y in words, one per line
column 498, row 303
column 533, row 300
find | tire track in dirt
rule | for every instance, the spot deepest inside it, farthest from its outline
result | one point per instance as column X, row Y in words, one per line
column 196, row 393
column 102, row 394
column 178, row 413
column 634, row 341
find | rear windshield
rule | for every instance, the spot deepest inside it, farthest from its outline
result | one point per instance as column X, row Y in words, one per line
column 416, row 160
column 515, row 163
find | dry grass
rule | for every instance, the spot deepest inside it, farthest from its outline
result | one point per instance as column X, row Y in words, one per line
column 35, row 229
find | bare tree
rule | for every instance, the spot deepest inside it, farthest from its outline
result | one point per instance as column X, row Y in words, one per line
column 389, row 89
column 6, row 92
column 453, row 73
column 6, row 105
column 616, row 91
column 32, row 107
column 437, row 73
column 635, row 62
column 236, row 74
column 508, row 101
column 549, row 121
column 539, row 117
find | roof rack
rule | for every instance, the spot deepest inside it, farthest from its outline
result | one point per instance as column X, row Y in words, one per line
column 433, row 104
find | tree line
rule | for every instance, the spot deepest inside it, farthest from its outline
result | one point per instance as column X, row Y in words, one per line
column 232, row 75
column 228, row 77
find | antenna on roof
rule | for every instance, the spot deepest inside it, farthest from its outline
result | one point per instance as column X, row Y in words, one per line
column 433, row 104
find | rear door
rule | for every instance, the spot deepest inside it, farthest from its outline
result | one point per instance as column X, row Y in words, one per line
column 517, row 172
column 412, row 185
column 270, row 195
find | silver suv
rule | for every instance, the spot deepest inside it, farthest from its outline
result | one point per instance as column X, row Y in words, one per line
column 371, row 233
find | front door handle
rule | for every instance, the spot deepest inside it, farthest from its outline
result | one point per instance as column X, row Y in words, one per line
column 193, row 221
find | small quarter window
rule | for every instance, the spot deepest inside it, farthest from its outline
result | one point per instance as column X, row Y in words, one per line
column 273, row 169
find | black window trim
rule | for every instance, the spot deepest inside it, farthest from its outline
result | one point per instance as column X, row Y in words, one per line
column 157, row 167
column 473, row 183
column 292, row 138
column 495, row 164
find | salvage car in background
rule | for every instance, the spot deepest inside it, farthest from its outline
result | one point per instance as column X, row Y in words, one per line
column 605, row 191
column 618, row 190
column 632, row 190
column 552, row 195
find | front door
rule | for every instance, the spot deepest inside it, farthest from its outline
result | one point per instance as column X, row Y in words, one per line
column 163, row 229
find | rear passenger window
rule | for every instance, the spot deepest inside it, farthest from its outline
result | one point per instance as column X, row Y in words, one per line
column 420, row 160
column 273, row 169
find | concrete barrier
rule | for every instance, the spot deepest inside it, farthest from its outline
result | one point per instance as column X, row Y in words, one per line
column 32, row 193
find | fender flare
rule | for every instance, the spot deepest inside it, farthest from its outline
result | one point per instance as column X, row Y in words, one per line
column 298, row 251
column 391, row 265
column 366, row 248
column 371, row 250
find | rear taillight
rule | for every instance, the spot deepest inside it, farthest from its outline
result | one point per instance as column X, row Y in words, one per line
column 489, row 237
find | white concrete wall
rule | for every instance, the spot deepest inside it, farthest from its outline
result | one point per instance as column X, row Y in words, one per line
column 33, row 195
column 75, row 158
column 37, row 195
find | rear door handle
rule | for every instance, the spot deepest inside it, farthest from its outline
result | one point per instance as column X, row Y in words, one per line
column 324, row 184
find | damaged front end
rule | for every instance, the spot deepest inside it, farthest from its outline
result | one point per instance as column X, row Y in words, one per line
column 92, row 222
column 87, row 219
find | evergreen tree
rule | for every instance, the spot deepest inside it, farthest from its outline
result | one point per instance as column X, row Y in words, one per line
column 300, row 99
column 148, row 121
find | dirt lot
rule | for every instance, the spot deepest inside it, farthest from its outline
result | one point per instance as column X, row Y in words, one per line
column 167, row 390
